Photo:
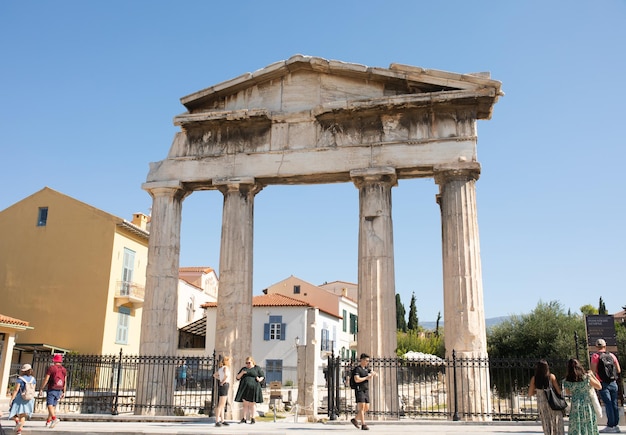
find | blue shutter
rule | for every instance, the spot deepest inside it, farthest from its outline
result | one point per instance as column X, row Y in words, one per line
column 266, row 331
column 283, row 331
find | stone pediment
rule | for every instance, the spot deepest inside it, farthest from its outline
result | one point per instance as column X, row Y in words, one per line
column 312, row 120
column 304, row 83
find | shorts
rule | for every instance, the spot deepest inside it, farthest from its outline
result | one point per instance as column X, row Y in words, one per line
column 223, row 390
column 53, row 397
column 362, row 396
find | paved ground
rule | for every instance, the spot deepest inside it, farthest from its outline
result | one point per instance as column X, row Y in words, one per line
column 97, row 425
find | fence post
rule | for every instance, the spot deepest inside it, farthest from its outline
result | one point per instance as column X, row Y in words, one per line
column 455, row 417
column 215, row 387
column 114, row 410
column 330, row 384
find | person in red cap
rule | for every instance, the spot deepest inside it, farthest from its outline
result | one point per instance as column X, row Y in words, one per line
column 54, row 381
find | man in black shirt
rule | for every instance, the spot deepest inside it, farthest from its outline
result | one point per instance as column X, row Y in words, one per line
column 362, row 374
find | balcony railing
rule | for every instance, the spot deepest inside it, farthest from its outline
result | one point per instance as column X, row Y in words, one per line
column 129, row 293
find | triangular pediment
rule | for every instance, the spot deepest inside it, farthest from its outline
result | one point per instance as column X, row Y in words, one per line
column 305, row 83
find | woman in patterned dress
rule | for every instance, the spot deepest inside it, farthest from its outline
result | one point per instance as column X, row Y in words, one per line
column 551, row 420
column 582, row 416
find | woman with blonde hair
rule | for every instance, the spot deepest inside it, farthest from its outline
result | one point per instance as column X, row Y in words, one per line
column 249, row 392
column 551, row 420
column 223, row 377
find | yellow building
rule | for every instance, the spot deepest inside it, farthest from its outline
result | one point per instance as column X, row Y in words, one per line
column 75, row 272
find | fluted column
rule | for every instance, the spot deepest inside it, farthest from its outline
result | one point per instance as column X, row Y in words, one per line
column 464, row 313
column 376, row 282
column 159, row 333
column 233, row 328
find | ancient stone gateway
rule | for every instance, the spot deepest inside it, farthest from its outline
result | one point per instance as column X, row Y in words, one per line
column 308, row 120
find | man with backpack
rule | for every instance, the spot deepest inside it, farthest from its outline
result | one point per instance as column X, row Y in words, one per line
column 359, row 381
column 606, row 368
column 55, row 387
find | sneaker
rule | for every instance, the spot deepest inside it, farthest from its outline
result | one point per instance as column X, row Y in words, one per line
column 252, row 421
column 218, row 424
column 47, row 423
column 606, row 430
column 225, row 423
column 54, row 422
column 354, row 422
column 616, row 429
column 18, row 426
column 243, row 420
column 365, row 427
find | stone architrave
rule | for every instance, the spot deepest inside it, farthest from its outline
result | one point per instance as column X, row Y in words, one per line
column 233, row 329
column 309, row 120
column 465, row 332
column 159, row 334
column 376, row 283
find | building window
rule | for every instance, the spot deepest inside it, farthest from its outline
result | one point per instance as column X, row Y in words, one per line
column 325, row 340
column 42, row 217
column 123, row 322
column 274, row 370
column 127, row 271
column 275, row 329
column 191, row 309
column 354, row 324
column 296, row 289
column 345, row 321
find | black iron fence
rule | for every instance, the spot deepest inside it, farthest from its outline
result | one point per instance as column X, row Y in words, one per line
column 107, row 384
column 454, row 388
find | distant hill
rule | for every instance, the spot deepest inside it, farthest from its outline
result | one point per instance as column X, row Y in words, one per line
column 488, row 322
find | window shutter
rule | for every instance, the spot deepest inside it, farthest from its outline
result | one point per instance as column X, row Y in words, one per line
column 283, row 331
column 266, row 331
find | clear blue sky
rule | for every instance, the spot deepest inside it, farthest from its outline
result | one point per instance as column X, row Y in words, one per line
column 89, row 90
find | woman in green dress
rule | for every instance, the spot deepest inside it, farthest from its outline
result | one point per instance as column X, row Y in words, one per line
column 582, row 416
column 249, row 392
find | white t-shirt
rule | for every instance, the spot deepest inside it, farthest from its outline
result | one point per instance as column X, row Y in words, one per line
column 224, row 374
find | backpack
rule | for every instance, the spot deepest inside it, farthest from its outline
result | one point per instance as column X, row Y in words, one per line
column 58, row 379
column 606, row 367
column 353, row 383
column 29, row 391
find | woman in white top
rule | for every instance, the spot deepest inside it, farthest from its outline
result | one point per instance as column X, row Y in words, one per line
column 223, row 375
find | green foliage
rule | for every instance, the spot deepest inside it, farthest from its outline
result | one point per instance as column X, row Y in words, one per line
column 602, row 307
column 420, row 342
column 547, row 332
column 413, row 321
column 400, row 314
column 589, row 310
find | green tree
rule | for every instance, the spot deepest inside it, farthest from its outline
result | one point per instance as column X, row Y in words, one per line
column 602, row 308
column 420, row 342
column 400, row 314
column 547, row 332
column 588, row 310
column 413, row 321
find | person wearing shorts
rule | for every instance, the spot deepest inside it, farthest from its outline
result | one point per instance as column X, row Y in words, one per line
column 362, row 375
column 223, row 377
column 54, row 382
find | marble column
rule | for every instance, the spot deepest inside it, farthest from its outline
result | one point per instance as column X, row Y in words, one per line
column 233, row 329
column 464, row 314
column 376, row 279
column 159, row 333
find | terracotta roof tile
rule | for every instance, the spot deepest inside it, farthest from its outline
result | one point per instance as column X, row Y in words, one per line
column 204, row 269
column 271, row 300
column 12, row 321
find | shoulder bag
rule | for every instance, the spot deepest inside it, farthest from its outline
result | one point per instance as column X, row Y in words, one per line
column 555, row 400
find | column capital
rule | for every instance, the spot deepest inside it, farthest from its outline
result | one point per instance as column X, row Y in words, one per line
column 237, row 184
column 456, row 171
column 165, row 188
column 384, row 174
